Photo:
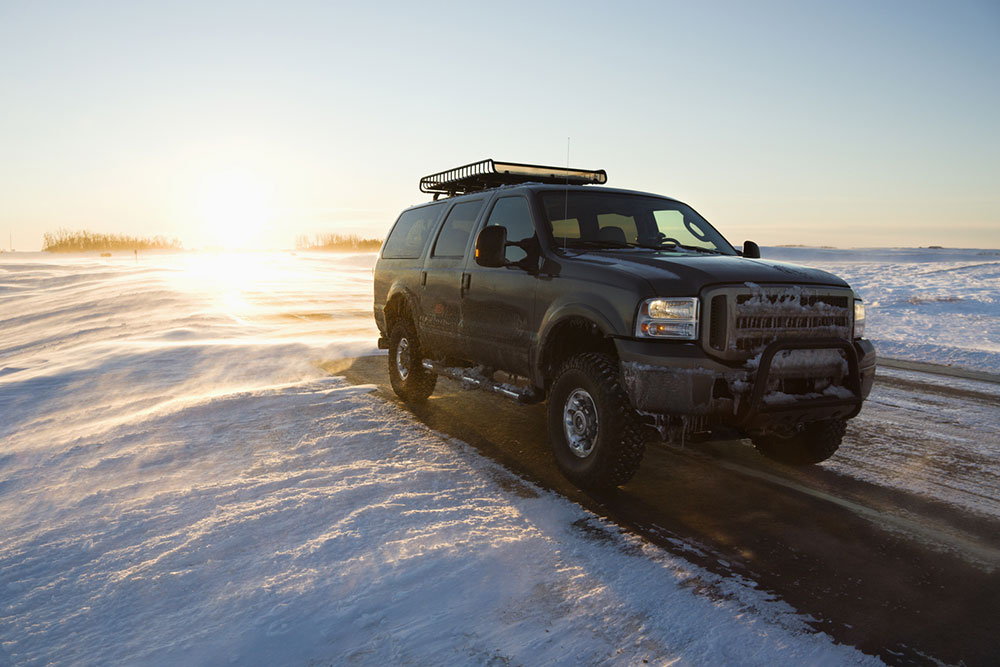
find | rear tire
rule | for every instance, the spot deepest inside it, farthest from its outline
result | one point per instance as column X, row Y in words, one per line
column 815, row 442
column 409, row 379
column 595, row 434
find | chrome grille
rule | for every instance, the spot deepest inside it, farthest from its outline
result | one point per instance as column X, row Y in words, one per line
column 744, row 319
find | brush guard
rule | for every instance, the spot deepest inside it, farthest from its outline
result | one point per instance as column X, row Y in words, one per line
column 754, row 413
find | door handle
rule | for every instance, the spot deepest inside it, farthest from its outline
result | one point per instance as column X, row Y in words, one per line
column 466, row 282
column 423, row 278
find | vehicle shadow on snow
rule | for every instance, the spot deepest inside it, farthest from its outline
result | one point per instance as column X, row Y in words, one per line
column 858, row 557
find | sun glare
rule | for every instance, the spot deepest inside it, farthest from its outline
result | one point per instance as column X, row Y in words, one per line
column 236, row 210
column 228, row 279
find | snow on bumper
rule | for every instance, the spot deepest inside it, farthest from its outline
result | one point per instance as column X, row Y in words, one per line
column 683, row 380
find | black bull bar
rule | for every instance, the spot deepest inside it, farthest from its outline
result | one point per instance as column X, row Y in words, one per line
column 755, row 413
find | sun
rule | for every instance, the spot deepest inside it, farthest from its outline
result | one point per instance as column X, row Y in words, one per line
column 235, row 210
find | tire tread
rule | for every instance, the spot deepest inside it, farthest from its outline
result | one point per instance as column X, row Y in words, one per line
column 621, row 456
column 420, row 384
column 816, row 442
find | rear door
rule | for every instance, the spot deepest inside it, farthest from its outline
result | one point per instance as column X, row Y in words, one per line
column 444, row 279
column 401, row 259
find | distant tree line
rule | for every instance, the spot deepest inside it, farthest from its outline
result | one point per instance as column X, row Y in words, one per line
column 336, row 242
column 64, row 240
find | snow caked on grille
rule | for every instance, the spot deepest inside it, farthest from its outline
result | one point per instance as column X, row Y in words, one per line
column 745, row 319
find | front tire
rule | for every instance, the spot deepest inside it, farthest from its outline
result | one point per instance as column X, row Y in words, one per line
column 594, row 432
column 409, row 379
column 815, row 442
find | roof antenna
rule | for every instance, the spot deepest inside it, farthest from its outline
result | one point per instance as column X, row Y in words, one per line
column 566, row 200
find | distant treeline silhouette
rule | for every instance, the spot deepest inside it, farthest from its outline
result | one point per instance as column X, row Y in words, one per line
column 335, row 242
column 64, row 240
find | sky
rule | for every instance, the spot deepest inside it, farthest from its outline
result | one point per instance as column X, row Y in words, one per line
column 245, row 124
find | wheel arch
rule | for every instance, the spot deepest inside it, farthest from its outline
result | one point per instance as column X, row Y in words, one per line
column 569, row 331
column 400, row 302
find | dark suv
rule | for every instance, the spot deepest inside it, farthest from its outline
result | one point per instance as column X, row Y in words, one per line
column 628, row 312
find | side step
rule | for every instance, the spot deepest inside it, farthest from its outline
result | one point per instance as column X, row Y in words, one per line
column 474, row 378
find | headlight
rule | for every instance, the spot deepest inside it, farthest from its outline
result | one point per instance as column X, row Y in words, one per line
column 859, row 318
column 668, row 318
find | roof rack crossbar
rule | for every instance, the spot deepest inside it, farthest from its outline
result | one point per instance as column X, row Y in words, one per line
column 487, row 174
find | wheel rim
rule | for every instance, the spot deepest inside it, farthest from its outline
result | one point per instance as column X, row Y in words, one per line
column 403, row 359
column 580, row 423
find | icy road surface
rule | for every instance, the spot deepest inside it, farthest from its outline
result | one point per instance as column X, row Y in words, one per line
column 181, row 483
column 907, row 574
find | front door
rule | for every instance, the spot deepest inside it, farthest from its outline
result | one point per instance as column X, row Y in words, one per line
column 499, row 302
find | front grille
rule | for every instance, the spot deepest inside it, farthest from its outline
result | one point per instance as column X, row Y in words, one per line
column 744, row 319
column 717, row 325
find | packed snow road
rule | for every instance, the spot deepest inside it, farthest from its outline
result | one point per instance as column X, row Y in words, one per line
column 892, row 546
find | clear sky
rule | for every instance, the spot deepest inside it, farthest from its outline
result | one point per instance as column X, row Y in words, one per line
column 843, row 123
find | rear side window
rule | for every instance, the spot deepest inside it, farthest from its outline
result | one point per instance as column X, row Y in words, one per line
column 454, row 236
column 409, row 236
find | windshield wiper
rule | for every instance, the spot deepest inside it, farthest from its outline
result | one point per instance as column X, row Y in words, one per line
column 595, row 243
column 668, row 246
column 697, row 248
column 587, row 243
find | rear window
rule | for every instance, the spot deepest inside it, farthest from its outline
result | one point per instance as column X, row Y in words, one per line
column 410, row 233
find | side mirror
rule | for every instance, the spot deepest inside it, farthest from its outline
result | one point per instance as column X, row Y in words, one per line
column 491, row 246
column 751, row 250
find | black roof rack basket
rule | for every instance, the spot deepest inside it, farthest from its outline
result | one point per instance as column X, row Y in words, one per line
column 488, row 174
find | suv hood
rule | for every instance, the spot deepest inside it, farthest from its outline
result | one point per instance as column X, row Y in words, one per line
column 672, row 275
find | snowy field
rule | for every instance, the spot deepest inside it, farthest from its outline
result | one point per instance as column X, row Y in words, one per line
column 181, row 483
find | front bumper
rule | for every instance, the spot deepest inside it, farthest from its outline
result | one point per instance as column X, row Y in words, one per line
column 680, row 379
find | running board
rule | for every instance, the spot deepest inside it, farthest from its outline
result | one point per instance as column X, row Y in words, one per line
column 470, row 379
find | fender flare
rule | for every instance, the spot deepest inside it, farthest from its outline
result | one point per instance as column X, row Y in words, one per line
column 397, row 291
column 596, row 313
column 559, row 314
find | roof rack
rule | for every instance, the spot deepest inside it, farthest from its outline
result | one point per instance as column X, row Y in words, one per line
column 487, row 174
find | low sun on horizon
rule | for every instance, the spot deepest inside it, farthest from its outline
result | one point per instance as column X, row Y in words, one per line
column 235, row 210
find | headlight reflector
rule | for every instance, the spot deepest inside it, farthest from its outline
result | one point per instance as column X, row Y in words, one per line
column 668, row 318
column 859, row 318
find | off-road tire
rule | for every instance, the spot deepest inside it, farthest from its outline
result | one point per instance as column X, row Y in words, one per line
column 815, row 442
column 616, row 451
column 411, row 381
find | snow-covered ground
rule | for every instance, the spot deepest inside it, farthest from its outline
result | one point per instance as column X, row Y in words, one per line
column 181, row 484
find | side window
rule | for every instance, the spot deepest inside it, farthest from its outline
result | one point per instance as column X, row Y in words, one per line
column 410, row 233
column 454, row 236
column 513, row 213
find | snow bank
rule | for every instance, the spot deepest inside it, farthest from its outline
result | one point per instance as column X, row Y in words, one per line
column 181, row 484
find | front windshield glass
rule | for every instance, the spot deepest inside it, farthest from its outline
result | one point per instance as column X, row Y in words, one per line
column 579, row 219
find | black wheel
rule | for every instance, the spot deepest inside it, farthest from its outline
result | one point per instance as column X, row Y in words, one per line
column 411, row 381
column 594, row 432
column 813, row 443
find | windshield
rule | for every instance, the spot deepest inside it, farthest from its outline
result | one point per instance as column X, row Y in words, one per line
column 594, row 219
